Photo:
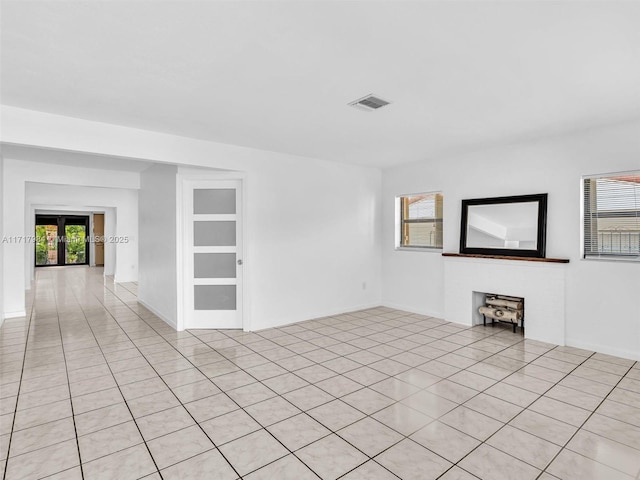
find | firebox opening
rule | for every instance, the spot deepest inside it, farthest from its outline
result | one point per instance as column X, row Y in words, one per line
column 504, row 309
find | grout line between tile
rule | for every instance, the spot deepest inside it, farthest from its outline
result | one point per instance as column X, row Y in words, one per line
column 115, row 305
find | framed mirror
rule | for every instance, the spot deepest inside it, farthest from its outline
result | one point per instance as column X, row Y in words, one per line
column 507, row 226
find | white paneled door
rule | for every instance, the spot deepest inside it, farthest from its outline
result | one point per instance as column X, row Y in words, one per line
column 213, row 253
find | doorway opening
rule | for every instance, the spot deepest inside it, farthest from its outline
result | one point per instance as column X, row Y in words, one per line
column 61, row 240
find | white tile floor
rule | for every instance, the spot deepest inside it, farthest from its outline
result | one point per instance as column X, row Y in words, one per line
column 94, row 386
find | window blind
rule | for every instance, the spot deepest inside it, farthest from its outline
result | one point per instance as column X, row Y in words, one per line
column 612, row 216
column 421, row 220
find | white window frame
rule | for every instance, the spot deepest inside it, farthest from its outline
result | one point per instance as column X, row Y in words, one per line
column 604, row 257
column 398, row 224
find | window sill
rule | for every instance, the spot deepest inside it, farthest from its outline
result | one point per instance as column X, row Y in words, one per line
column 419, row 249
column 612, row 259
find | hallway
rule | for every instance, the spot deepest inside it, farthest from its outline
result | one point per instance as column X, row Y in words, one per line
column 95, row 386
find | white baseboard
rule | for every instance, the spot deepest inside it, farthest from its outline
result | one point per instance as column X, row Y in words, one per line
column 123, row 278
column 419, row 311
column 616, row 352
column 158, row 314
column 342, row 311
column 327, row 313
column 21, row 313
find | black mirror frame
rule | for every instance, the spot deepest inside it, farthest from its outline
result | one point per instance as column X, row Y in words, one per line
column 540, row 252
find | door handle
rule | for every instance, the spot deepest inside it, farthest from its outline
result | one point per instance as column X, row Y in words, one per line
column 239, row 261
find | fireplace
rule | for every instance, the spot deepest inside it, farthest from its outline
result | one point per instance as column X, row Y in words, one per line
column 468, row 280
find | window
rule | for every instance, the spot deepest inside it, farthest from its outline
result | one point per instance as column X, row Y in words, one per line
column 612, row 216
column 421, row 221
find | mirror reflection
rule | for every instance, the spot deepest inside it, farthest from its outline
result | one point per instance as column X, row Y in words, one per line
column 506, row 225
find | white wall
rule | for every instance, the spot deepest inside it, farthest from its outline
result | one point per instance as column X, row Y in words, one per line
column 313, row 240
column 602, row 301
column 312, row 226
column 60, row 185
column 157, row 282
column 1, row 244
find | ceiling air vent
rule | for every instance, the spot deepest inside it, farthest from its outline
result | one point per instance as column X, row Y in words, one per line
column 369, row 103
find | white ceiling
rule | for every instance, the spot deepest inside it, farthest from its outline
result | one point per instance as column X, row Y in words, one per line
column 278, row 75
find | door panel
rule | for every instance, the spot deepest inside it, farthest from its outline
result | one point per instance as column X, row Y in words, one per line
column 214, row 201
column 218, row 233
column 215, row 297
column 47, row 243
column 99, row 253
column 214, row 265
column 212, row 254
column 98, row 234
column 75, row 251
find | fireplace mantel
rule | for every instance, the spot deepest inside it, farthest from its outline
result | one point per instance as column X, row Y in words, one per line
column 504, row 257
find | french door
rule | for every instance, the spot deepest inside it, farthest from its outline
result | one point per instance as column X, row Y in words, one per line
column 212, row 246
column 61, row 240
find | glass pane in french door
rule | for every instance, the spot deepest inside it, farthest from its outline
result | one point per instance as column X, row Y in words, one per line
column 75, row 247
column 46, row 244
